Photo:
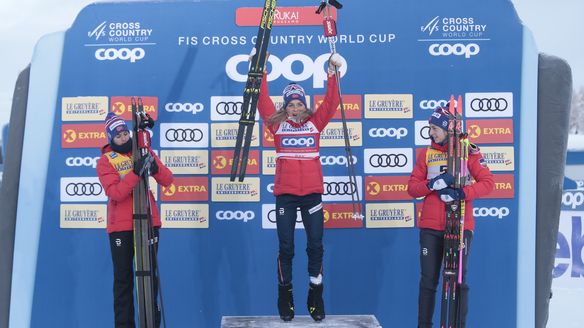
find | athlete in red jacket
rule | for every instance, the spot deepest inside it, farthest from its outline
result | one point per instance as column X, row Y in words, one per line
column 118, row 175
column 299, row 183
column 429, row 180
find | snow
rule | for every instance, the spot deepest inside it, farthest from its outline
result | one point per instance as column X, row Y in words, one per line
column 576, row 142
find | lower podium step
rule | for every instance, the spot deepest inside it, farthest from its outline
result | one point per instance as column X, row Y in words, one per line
column 337, row 321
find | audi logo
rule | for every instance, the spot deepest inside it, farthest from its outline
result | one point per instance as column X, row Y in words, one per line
column 339, row 188
column 83, row 189
column 82, row 161
column 133, row 55
column 229, row 107
column 298, row 142
column 573, row 199
column 388, row 160
column 235, row 215
column 184, row 135
column 433, row 104
column 458, row 49
column 491, row 211
column 489, row 104
column 272, row 216
column 186, row 107
column 425, row 132
column 336, row 160
column 388, row 132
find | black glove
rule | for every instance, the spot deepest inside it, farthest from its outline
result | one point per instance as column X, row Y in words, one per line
column 145, row 162
column 448, row 195
column 441, row 181
column 153, row 167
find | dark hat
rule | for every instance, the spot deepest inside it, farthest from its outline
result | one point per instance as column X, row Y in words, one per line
column 440, row 117
column 294, row 91
column 114, row 125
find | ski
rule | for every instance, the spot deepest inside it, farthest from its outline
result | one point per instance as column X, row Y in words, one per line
column 251, row 93
column 454, row 229
column 144, row 242
column 330, row 31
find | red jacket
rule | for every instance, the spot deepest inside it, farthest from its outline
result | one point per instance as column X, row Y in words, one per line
column 298, row 169
column 115, row 172
column 428, row 164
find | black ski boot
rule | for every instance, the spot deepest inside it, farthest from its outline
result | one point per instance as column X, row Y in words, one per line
column 285, row 302
column 315, row 302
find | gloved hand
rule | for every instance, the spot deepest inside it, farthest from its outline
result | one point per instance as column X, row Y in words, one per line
column 144, row 162
column 334, row 60
column 441, row 181
column 448, row 195
column 153, row 167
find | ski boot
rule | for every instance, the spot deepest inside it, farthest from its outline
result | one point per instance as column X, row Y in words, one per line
column 315, row 302
column 285, row 302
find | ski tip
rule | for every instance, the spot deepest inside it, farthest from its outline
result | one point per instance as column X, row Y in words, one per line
column 451, row 104
column 459, row 105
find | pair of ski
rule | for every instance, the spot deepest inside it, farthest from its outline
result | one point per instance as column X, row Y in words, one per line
column 457, row 165
column 252, row 91
column 145, row 242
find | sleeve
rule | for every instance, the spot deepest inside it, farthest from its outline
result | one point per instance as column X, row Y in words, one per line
column 329, row 106
column 116, row 187
column 265, row 104
column 483, row 177
column 164, row 175
column 418, row 183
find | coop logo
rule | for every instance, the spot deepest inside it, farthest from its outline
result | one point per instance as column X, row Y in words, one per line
column 337, row 160
column 236, row 68
column 573, row 200
column 133, row 54
column 457, row 49
column 81, row 189
column 433, row 104
column 295, row 142
column 388, row 160
column 235, row 215
column 193, row 108
column 388, row 132
column 494, row 212
column 184, row 135
column 81, row 161
column 489, row 104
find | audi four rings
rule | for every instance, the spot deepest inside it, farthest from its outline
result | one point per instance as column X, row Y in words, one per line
column 388, row 160
column 84, row 189
column 184, row 135
column 229, row 107
column 339, row 188
column 489, row 104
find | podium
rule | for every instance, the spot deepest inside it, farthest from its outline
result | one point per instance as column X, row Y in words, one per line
column 301, row 321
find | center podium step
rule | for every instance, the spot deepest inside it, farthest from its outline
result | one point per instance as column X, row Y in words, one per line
column 337, row 321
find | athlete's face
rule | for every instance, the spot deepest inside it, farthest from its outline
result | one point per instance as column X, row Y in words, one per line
column 437, row 134
column 121, row 138
column 294, row 108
